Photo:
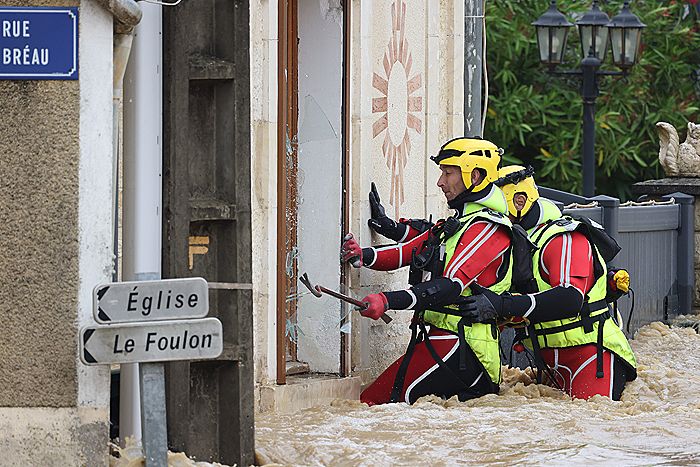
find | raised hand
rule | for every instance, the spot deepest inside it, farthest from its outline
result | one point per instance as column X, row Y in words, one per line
column 380, row 222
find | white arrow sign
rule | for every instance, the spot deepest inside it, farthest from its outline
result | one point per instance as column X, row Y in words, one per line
column 151, row 342
column 123, row 302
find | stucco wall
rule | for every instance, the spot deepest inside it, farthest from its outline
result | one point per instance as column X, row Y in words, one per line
column 56, row 244
column 53, row 437
column 96, row 204
column 39, row 156
column 263, row 107
column 407, row 102
column 432, row 113
column 39, row 241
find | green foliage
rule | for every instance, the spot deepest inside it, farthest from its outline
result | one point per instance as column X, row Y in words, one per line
column 537, row 117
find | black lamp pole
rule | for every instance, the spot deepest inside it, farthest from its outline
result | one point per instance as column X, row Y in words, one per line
column 589, row 73
column 589, row 93
column 594, row 28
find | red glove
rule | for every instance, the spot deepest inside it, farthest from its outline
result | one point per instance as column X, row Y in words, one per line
column 377, row 304
column 351, row 251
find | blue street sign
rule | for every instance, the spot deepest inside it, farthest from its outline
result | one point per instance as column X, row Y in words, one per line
column 39, row 43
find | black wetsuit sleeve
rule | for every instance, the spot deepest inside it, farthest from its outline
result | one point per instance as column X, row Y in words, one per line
column 556, row 303
column 368, row 255
column 397, row 233
column 440, row 291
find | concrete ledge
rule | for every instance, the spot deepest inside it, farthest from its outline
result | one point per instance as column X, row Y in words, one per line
column 666, row 186
column 304, row 391
column 54, row 436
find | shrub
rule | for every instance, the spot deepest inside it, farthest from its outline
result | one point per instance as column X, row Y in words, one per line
column 537, row 117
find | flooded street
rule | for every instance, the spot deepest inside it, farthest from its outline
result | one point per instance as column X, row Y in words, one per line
column 657, row 421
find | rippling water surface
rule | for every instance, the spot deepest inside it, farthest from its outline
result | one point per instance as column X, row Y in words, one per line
column 657, row 422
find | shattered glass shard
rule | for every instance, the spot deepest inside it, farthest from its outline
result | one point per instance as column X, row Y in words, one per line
column 292, row 331
column 315, row 125
column 292, row 255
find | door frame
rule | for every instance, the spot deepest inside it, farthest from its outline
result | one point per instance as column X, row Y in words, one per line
column 287, row 117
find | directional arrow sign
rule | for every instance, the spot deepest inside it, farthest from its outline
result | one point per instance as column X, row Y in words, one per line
column 151, row 342
column 123, row 302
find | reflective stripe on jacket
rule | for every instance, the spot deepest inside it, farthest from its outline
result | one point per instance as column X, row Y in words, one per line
column 482, row 338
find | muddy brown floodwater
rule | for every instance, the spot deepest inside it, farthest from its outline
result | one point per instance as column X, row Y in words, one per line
column 656, row 422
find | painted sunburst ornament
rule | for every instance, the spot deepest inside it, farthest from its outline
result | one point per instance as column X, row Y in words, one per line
column 397, row 103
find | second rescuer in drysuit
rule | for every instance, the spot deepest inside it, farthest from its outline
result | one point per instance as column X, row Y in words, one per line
column 579, row 346
column 456, row 356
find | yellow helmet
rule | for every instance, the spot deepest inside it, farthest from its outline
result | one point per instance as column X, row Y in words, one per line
column 470, row 154
column 515, row 179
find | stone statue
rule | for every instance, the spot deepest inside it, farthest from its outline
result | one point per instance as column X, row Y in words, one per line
column 679, row 160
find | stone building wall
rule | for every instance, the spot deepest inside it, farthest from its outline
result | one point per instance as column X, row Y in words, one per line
column 55, row 245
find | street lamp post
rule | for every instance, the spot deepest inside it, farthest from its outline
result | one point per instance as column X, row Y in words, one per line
column 589, row 93
column 596, row 29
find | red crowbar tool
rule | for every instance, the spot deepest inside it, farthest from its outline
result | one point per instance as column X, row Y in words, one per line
column 317, row 290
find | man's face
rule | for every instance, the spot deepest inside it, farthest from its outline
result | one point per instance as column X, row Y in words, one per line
column 519, row 200
column 450, row 181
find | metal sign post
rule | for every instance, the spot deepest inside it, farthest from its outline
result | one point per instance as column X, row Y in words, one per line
column 149, row 322
column 154, row 421
column 153, row 416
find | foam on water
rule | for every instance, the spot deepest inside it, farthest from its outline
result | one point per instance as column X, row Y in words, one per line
column 656, row 422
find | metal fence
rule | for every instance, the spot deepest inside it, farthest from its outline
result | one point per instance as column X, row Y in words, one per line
column 657, row 249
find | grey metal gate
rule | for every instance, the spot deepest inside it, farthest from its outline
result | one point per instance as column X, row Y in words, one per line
column 648, row 236
column 657, row 249
column 207, row 229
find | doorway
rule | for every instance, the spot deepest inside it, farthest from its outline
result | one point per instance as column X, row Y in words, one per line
column 312, row 175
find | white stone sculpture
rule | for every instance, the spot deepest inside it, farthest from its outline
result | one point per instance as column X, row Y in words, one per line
column 679, row 160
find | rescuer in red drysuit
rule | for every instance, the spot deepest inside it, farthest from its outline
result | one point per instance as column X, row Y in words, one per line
column 571, row 280
column 471, row 247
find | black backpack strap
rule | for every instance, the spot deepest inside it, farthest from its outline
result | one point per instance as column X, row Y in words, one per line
column 599, row 350
column 585, row 313
column 400, row 378
column 629, row 318
column 537, row 353
column 542, row 230
column 463, row 323
column 467, row 392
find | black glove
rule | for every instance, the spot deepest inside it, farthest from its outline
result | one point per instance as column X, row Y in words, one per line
column 482, row 306
column 380, row 222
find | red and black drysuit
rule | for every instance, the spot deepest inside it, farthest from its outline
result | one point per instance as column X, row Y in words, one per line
column 479, row 256
column 566, row 263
